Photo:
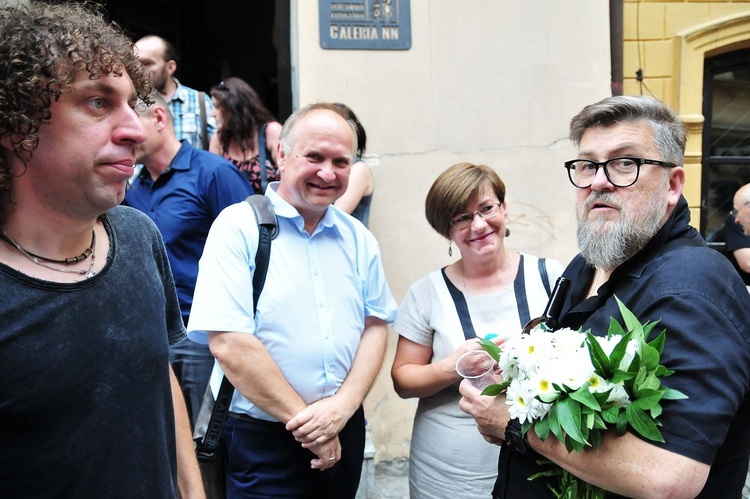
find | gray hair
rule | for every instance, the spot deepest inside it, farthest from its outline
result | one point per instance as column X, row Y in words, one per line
column 669, row 132
column 288, row 136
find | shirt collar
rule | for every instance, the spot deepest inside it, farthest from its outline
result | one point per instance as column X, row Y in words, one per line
column 181, row 160
column 180, row 93
column 286, row 210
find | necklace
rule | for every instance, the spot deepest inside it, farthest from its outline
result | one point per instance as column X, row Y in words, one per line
column 40, row 260
column 600, row 275
column 505, row 264
column 67, row 261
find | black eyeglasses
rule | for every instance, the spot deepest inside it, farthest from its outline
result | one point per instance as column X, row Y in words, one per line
column 621, row 172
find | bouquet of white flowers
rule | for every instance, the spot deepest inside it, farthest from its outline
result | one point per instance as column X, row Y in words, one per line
column 575, row 385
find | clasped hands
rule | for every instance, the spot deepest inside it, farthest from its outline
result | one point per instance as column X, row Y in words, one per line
column 317, row 428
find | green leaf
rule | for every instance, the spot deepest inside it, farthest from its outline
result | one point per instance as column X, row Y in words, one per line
column 595, row 438
column 588, row 423
column 619, row 351
column 662, row 371
column 490, row 348
column 643, row 423
column 619, row 376
column 615, row 328
column 658, row 342
column 610, row 414
column 569, row 415
column 622, row 422
column 651, row 382
column 648, row 326
column 554, row 423
column 599, row 359
column 548, row 398
column 639, row 380
column 649, row 355
column 632, row 324
column 598, row 422
column 648, row 399
column 655, row 412
column 584, row 396
column 541, row 428
column 493, row 390
column 671, row 394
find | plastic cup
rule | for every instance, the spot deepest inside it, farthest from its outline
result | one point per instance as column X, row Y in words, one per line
column 478, row 367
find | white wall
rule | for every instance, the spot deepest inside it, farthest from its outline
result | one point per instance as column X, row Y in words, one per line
column 486, row 81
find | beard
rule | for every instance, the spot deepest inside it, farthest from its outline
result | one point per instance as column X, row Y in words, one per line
column 159, row 80
column 607, row 244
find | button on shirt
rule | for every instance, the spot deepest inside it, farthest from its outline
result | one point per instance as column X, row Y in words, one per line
column 186, row 115
column 311, row 312
column 183, row 202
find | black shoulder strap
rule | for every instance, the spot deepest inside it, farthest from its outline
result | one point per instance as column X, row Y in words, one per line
column 268, row 229
column 204, row 120
column 262, row 155
column 545, row 277
column 461, row 308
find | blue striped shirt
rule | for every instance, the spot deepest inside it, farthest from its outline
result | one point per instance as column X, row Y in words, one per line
column 186, row 115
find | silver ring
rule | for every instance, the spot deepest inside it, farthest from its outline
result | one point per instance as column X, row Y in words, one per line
column 332, row 458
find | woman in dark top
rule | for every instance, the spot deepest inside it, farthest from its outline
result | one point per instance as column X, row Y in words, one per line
column 241, row 117
column 356, row 199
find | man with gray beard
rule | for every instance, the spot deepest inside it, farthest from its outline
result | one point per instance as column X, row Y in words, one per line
column 637, row 245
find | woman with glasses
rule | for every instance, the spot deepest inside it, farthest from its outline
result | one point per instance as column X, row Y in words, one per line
column 489, row 290
column 247, row 133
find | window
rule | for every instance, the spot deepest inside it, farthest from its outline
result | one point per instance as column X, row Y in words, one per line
column 726, row 139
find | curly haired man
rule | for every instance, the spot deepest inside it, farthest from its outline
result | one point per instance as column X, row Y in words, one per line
column 89, row 406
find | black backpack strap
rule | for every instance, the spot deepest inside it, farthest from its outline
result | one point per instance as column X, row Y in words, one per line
column 519, row 288
column 262, row 156
column 268, row 229
column 204, row 120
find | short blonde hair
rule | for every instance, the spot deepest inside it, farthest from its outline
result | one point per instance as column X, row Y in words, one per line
column 454, row 189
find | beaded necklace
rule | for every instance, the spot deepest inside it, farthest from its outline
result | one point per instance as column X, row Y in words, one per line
column 40, row 260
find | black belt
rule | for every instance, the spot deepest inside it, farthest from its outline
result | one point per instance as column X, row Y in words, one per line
column 250, row 419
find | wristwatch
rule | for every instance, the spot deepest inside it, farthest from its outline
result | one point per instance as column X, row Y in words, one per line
column 515, row 438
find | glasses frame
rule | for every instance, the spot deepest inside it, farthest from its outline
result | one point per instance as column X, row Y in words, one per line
column 569, row 165
column 473, row 214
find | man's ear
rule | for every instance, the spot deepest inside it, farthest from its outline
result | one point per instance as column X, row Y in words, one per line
column 676, row 183
column 160, row 115
column 280, row 157
column 171, row 67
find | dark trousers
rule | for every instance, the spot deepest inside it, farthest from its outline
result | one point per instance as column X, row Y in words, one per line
column 264, row 461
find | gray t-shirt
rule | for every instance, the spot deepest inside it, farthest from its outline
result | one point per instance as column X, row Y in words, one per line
column 85, row 397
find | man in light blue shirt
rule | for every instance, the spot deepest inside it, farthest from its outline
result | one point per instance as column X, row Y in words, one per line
column 304, row 364
column 160, row 58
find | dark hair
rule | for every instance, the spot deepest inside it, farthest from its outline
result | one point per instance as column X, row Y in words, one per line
column 669, row 132
column 170, row 52
column 43, row 48
column 361, row 135
column 454, row 189
column 243, row 110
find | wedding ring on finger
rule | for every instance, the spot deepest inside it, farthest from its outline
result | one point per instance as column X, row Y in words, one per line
column 332, row 458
